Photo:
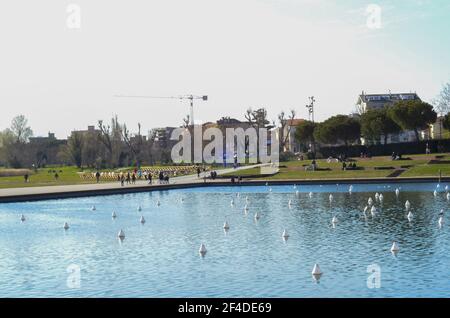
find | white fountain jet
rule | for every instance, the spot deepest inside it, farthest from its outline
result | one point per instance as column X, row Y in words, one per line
column 410, row 216
column 202, row 249
column 407, row 205
column 394, row 247
column 441, row 221
column 316, row 272
column 373, row 211
column 334, row 221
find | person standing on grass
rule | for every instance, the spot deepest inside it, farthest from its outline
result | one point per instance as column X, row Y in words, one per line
column 97, row 176
column 26, row 177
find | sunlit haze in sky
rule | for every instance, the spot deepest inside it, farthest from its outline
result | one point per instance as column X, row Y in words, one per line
column 241, row 53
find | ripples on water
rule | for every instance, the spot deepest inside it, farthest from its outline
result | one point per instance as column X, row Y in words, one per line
column 161, row 259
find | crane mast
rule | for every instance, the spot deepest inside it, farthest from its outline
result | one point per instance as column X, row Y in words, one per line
column 181, row 97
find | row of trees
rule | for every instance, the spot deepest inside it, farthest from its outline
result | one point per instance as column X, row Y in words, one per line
column 374, row 125
column 108, row 146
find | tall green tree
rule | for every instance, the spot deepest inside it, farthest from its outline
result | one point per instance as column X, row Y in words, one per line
column 412, row 115
column 376, row 123
column 338, row 128
column 304, row 132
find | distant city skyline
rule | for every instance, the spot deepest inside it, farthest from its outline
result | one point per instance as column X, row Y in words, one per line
column 246, row 53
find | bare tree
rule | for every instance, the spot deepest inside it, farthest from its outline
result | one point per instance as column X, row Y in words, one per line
column 135, row 144
column 257, row 119
column 74, row 148
column 20, row 129
column 442, row 102
column 283, row 123
column 111, row 137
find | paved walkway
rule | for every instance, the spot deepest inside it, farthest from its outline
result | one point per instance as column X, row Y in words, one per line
column 35, row 191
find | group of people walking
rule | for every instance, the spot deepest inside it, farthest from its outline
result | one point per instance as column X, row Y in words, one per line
column 131, row 177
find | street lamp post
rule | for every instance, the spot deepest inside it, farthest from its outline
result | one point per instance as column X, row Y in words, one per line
column 310, row 108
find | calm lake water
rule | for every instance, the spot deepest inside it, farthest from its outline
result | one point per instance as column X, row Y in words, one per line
column 160, row 258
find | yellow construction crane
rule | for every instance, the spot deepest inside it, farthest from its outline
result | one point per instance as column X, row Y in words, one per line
column 181, row 97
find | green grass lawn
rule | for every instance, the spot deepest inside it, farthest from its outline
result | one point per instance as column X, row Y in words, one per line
column 67, row 175
column 414, row 166
column 417, row 166
column 45, row 176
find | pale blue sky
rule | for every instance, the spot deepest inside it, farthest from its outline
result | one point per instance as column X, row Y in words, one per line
column 241, row 53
